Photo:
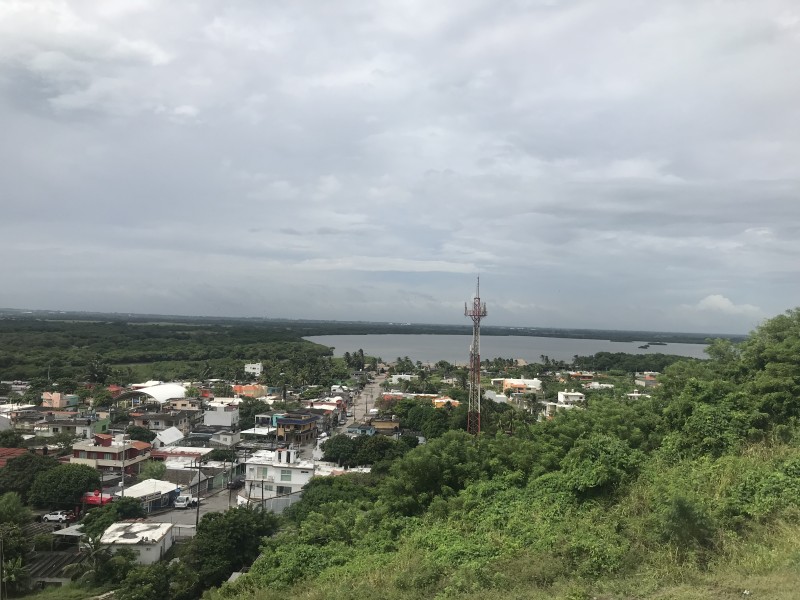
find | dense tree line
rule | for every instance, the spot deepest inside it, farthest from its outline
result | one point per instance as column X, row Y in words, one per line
column 122, row 352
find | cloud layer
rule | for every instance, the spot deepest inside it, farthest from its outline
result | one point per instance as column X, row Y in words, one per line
column 599, row 163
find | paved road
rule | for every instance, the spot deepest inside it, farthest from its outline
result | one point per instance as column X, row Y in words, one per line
column 217, row 502
column 365, row 400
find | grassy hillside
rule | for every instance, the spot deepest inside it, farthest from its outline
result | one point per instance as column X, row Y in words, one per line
column 692, row 494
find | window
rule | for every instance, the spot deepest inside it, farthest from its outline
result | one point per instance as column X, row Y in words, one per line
column 82, row 454
column 284, row 489
column 286, row 474
column 108, row 456
column 55, row 429
column 261, row 472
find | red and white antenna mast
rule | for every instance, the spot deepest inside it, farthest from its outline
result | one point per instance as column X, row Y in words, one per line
column 476, row 313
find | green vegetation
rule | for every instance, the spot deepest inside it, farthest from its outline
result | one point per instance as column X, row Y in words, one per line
column 694, row 493
column 63, row 486
column 224, row 543
column 123, row 351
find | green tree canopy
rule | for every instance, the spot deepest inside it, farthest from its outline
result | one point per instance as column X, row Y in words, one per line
column 62, row 487
column 11, row 439
column 12, row 509
column 19, row 473
column 141, row 434
column 97, row 520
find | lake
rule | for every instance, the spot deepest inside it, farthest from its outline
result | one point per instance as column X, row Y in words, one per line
column 455, row 348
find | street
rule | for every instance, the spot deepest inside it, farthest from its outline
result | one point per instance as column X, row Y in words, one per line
column 217, row 502
column 365, row 400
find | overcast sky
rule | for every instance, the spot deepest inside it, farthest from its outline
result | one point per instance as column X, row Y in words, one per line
column 599, row 163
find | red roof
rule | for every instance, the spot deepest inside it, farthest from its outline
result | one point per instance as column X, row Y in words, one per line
column 7, row 454
column 140, row 445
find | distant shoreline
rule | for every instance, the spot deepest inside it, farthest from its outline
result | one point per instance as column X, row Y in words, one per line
column 312, row 327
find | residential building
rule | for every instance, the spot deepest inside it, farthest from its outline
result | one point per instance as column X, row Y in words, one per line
column 221, row 415
column 360, row 429
column 296, row 428
column 159, row 421
column 193, row 404
column 253, row 390
column 78, row 426
column 389, row 427
column 225, row 439
column 570, row 397
column 271, row 473
column 168, row 437
column 518, row 386
column 594, row 385
column 148, row 541
column 254, row 369
column 105, row 453
column 59, row 400
column 647, row 379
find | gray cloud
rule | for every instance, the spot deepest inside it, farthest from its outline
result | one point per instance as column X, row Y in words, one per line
column 600, row 164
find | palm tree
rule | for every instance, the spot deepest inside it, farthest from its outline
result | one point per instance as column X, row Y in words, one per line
column 96, row 556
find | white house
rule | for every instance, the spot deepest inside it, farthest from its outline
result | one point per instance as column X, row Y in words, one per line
column 254, row 369
column 571, row 397
column 272, row 473
column 221, row 414
column 226, row 439
column 149, row 541
column 594, row 385
column 168, row 437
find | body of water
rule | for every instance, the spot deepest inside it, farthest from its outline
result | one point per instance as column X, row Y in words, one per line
column 455, row 348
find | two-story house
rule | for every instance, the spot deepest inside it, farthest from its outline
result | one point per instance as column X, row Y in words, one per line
column 78, row 426
column 105, row 453
column 219, row 414
column 159, row 421
column 59, row 400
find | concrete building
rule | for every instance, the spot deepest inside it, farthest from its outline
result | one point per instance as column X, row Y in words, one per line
column 105, row 453
column 296, row 428
column 59, row 400
column 271, row 473
column 149, row 541
column 82, row 427
column 219, row 414
column 254, row 369
column 518, row 386
column 159, row 421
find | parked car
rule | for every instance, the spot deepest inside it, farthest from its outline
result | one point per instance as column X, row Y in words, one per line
column 185, row 502
column 236, row 483
column 58, row 516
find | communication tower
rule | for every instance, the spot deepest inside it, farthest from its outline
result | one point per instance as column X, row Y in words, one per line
column 476, row 313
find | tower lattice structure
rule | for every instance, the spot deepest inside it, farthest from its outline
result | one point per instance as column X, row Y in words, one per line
column 476, row 313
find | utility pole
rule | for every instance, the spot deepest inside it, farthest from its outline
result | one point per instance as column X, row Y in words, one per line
column 122, row 493
column 2, row 568
column 476, row 313
column 197, row 498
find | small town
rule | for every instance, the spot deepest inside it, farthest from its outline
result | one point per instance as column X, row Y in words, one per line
column 399, row 300
column 177, row 451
